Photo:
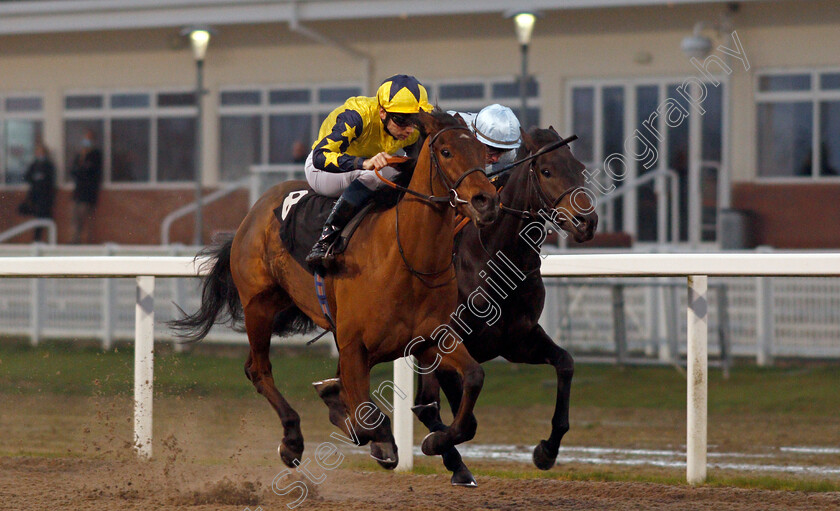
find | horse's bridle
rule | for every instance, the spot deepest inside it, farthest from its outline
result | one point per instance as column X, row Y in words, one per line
column 534, row 185
column 452, row 198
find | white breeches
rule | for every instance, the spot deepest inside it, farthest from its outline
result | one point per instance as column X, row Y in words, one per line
column 333, row 184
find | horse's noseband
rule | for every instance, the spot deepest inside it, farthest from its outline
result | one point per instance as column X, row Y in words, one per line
column 453, row 199
column 534, row 180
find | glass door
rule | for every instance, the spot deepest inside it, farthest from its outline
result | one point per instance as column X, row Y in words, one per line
column 671, row 153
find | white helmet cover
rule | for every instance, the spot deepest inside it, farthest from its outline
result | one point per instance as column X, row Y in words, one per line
column 497, row 126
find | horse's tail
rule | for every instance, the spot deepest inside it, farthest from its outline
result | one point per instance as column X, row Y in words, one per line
column 292, row 321
column 219, row 297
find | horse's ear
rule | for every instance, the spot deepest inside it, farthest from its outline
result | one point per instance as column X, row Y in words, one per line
column 460, row 119
column 554, row 130
column 428, row 123
column 528, row 142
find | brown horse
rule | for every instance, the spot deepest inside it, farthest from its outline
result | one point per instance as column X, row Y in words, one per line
column 395, row 283
column 550, row 187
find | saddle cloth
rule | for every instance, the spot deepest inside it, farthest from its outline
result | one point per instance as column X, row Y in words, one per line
column 302, row 216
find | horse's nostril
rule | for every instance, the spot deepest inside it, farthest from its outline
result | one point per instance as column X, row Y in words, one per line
column 480, row 201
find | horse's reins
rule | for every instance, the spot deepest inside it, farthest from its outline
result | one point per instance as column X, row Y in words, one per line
column 533, row 185
column 545, row 149
column 452, row 199
column 534, row 182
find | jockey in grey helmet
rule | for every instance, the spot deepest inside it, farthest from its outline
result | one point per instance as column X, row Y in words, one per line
column 497, row 127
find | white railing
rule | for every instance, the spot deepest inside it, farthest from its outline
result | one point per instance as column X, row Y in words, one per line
column 264, row 177
column 224, row 191
column 47, row 223
column 144, row 269
column 696, row 267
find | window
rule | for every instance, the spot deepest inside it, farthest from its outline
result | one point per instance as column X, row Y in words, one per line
column 472, row 96
column 145, row 137
column 625, row 118
column 798, row 120
column 21, row 127
column 273, row 125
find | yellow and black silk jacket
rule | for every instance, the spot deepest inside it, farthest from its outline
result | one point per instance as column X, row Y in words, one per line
column 353, row 133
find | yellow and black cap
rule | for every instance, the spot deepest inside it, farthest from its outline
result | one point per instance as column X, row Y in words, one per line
column 403, row 94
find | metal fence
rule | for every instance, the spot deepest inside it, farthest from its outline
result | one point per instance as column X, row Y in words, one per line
column 764, row 316
column 779, row 316
column 93, row 308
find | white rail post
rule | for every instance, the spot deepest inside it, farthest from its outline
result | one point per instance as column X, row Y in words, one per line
column 765, row 327
column 698, row 375
column 144, row 337
column 108, row 294
column 765, row 324
column 177, row 298
column 36, row 303
column 403, row 418
column 550, row 317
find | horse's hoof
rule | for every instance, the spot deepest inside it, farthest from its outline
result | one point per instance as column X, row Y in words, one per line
column 435, row 444
column 288, row 455
column 543, row 457
column 463, row 478
column 385, row 454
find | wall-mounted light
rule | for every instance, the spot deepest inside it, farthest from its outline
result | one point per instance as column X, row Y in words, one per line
column 696, row 45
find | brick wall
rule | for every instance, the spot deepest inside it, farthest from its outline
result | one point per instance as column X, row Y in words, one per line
column 787, row 215
column 792, row 215
column 134, row 217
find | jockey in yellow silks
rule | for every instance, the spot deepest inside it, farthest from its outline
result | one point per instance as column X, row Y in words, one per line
column 355, row 139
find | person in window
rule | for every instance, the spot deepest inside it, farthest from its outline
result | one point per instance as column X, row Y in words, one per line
column 39, row 199
column 497, row 127
column 87, row 176
column 299, row 151
column 355, row 139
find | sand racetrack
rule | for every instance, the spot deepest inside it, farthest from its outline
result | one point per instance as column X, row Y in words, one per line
column 79, row 484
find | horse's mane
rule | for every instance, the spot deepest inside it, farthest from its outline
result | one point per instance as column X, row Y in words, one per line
column 444, row 120
column 540, row 137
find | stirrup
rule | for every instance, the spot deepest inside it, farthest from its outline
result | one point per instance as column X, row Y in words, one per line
column 324, row 256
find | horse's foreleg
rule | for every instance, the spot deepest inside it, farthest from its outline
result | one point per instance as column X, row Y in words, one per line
column 538, row 348
column 366, row 422
column 427, row 409
column 464, row 424
column 259, row 316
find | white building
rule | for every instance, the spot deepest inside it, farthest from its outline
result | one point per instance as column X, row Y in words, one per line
column 767, row 139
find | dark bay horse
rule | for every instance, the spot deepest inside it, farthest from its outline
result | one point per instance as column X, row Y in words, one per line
column 395, row 283
column 550, row 187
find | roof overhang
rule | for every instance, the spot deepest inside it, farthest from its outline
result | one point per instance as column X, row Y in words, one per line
column 33, row 17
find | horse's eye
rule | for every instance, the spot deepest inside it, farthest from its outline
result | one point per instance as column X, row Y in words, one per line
column 545, row 172
column 445, row 153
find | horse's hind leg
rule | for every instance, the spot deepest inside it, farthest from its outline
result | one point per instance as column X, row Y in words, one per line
column 427, row 409
column 259, row 319
column 538, row 348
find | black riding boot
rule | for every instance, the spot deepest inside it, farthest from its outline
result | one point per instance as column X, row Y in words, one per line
column 351, row 201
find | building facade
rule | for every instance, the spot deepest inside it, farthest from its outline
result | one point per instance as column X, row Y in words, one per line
column 675, row 146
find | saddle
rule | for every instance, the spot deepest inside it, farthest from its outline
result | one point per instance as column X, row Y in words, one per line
column 302, row 216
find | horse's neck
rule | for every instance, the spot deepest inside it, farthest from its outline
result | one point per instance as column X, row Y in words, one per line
column 504, row 235
column 426, row 229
